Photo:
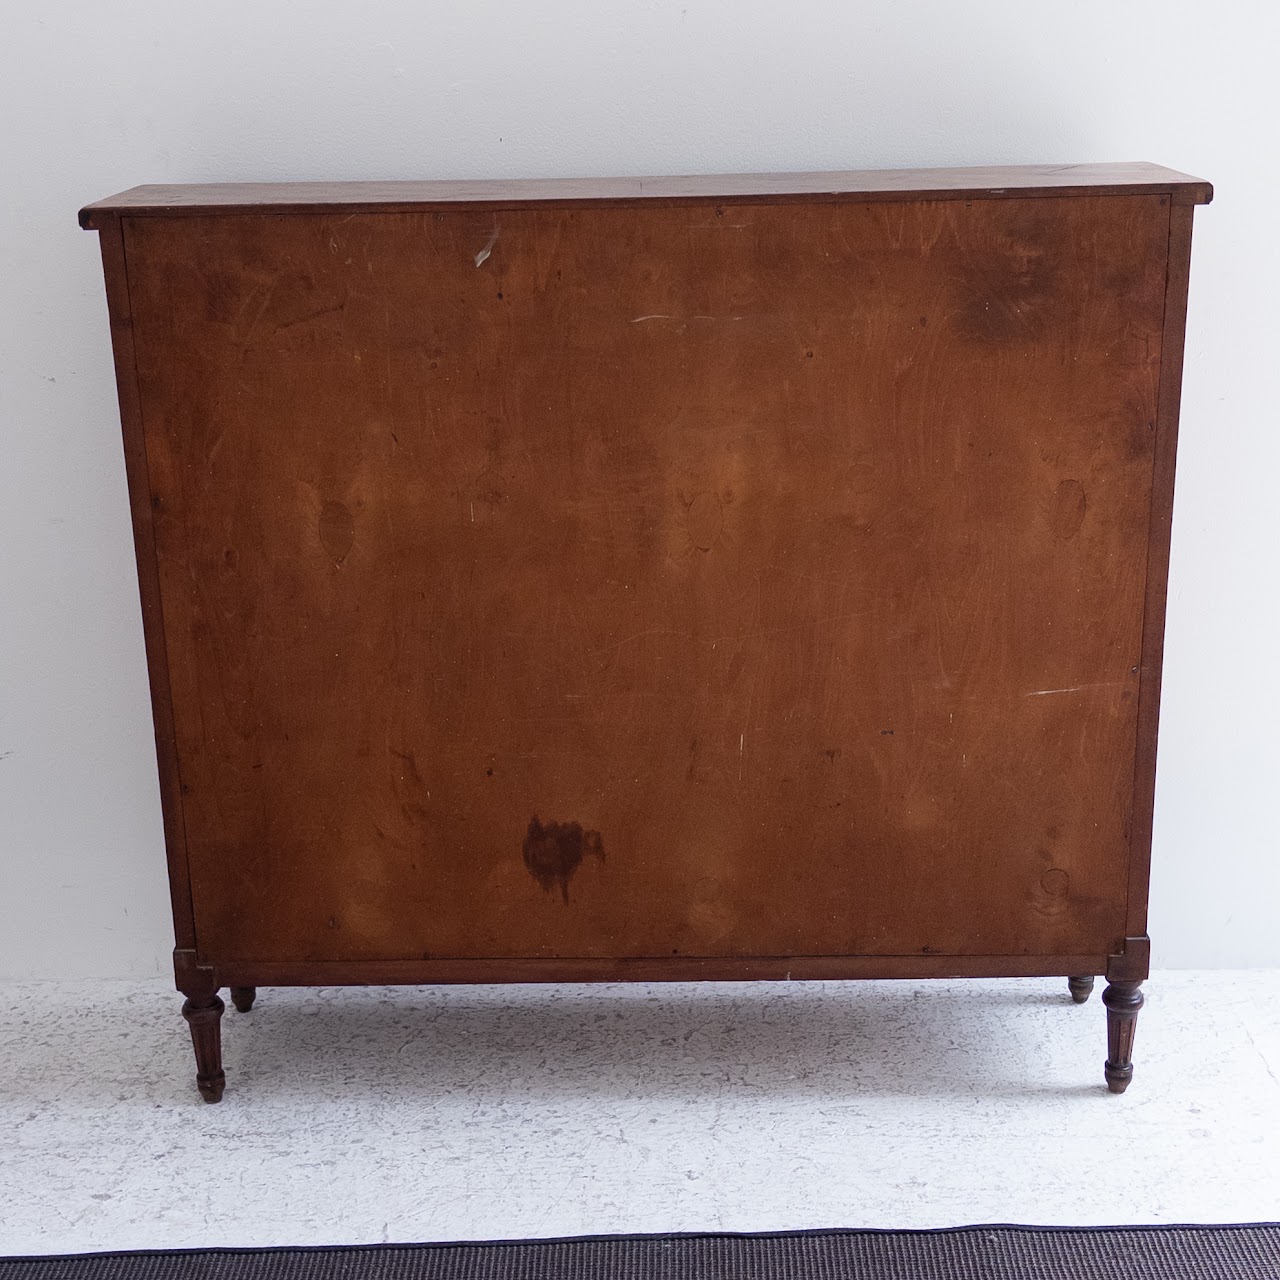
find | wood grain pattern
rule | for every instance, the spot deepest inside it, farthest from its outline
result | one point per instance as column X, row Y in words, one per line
column 709, row 580
column 119, row 308
column 990, row 182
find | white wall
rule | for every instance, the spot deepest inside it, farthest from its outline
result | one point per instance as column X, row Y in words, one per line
column 96, row 97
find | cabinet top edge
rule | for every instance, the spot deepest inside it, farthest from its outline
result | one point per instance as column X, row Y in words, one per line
column 863, row 184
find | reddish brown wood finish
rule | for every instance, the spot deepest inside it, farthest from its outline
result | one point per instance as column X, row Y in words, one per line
column 657, row 969
column 575, row 583
column 203, row 1011
column 204, row 1016
column 879, row 185
column 119, row 307
column 1158, row 538
column 736, row 585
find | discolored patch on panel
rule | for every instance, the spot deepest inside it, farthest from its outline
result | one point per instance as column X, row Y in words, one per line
column 554, row 851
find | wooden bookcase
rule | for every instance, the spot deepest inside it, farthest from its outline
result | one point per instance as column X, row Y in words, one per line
column 711, row 578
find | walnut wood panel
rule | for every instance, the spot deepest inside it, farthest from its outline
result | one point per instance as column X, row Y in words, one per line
column 698, row 581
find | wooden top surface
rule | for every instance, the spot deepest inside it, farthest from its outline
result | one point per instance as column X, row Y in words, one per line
column 864, row 184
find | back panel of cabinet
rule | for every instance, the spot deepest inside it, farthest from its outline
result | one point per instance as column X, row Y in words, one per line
column 755, row 580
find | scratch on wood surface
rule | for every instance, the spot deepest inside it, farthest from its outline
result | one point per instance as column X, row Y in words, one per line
column 483, row 256
column 1075, row 688
column 662, row 316
column 217, row 444
column 310, row 315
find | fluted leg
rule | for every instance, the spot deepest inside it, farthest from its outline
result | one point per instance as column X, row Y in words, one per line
column 204, row 1015
column 1123, row 1000
column 1081, row 988
column 243, row 997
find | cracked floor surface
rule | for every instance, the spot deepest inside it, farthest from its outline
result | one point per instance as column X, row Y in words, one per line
column 415, row 1114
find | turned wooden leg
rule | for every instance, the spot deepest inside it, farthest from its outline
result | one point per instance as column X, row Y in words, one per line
column 1123, row 1000
column 242, row 997
column 1081, row 988
column 204, row 1015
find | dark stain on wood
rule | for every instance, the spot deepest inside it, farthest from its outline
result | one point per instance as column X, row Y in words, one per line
column 555, row 851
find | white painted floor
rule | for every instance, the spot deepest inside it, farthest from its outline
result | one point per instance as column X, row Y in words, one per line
column 418, row 1114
